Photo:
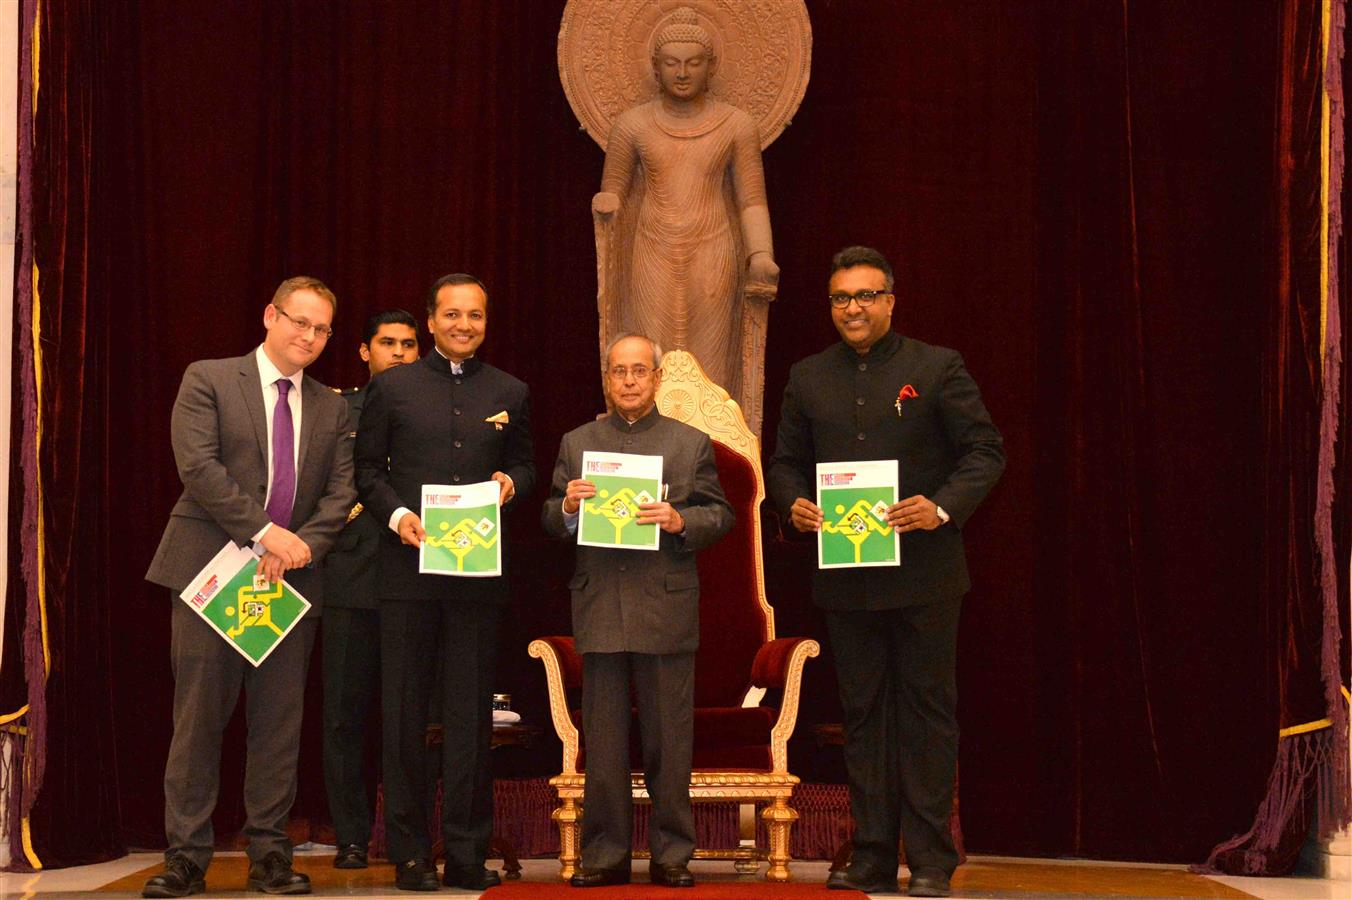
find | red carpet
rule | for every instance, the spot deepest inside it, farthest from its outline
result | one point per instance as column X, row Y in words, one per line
column 642, row 890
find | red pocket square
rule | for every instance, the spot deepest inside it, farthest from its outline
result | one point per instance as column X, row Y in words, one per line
column 905, row 393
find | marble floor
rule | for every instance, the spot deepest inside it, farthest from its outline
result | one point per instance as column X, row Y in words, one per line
column 982, row 877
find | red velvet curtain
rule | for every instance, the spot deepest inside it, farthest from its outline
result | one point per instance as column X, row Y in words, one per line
column 1080, row 197
column 23, row 677
column 1303, row 392
column 71, row 748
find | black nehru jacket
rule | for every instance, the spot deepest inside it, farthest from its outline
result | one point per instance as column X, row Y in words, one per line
column 423, row 424
column 840, row 406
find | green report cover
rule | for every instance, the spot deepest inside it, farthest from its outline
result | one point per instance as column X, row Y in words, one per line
column 250, row 613
column 464, row 530
column 854, row 497
column 623, row 482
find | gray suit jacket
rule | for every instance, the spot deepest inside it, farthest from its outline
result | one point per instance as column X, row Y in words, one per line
column 220, row 436
column 639, row 601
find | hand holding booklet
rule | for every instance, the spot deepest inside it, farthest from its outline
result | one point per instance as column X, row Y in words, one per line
column 854, row 498
column 624, row 481
column 250, row 613
column 464, row 530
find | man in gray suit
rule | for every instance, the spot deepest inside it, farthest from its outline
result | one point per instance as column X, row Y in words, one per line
column 636, row 615
column 265, row 459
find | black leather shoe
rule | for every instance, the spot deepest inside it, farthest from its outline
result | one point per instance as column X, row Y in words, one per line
column 350, row 856
column 416, row 875
column 671, row 875
column 599, row 877
column 928, row 882
column 475, row 878
column 273, row 875
column 180, row 878
column 859, row 878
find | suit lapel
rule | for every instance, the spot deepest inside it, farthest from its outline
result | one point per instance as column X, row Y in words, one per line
column 309, row 414
column 251, row 385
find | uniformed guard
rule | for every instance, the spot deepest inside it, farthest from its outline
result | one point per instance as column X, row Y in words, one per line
column 351, row 621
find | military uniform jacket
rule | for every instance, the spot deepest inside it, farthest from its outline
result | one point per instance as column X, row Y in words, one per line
column 350, row 569
column 219, row 430
column 423, row 424
column 639, row 601
column 840, row 406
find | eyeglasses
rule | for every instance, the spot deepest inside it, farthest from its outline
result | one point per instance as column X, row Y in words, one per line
column 323, row 332
column 620, row 373
column 863, row 298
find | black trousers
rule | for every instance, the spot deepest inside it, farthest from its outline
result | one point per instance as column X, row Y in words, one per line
column 208, row 674
column 457, row 638
column 898, row 688
column 664, row 685
column 351, row 654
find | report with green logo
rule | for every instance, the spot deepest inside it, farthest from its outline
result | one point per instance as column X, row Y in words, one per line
column 623, row 481
column 250, row 613
column 463, row 530
column 854, row 497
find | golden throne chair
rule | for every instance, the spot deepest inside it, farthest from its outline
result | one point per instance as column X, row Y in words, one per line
column 741, row 743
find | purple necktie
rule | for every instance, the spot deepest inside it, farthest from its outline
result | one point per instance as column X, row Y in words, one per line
column 283, row 459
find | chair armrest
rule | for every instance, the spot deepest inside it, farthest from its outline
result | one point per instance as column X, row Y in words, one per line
column 570, row 661
column 779, row 664
column 563, row 671
column 770, row 668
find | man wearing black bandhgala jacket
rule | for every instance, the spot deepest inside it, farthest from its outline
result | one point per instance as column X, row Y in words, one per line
column 447, row 419
column 881, row 395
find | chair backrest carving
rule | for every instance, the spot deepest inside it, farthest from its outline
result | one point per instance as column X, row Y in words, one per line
column 735, row 617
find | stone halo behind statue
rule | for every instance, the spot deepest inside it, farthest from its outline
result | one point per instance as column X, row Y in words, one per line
column 764, row 51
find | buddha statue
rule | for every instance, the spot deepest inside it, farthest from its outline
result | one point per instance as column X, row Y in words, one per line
column 684, row 247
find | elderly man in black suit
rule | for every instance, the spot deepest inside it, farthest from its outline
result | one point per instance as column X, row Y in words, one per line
column 263, row 453
column 636, row 616
column 351, row 645
column 879, row 395
column 448, row 419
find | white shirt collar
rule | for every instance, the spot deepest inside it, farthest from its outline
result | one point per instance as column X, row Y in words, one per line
column 268, row 373
column 456, row 367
